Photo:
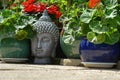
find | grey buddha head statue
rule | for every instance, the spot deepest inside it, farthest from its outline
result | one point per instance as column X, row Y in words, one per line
column 45, row 42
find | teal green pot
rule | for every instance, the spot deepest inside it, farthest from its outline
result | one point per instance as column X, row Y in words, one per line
column 13, row 50
column 70, row 51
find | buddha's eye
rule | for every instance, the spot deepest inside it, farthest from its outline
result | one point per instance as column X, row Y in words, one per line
column 45, row 39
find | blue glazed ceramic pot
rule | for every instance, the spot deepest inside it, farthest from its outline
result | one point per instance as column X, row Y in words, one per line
column 98, row 53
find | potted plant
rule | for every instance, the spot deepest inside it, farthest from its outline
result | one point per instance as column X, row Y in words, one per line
column 15, row 34
column 69, row 38
column 100, row 22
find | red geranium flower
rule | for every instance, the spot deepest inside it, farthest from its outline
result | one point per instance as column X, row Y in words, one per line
column 30, row 8
column 93, row 3
column 31, row 1
column 58, row 14
column 26, row 4
column 41, row 7
column 52, row 9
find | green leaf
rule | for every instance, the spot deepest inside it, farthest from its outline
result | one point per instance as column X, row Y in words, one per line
column 87, row 16
column 112, row 37
column 29, row 30
column 78, row 35
column 84, row 28
column 96, row 39
column 68, row 36
column 1, row 19
column 110, row 4
column 23, row 20
column 68, row 39
column 31, row 20
column 97, row 27
column 112, row 23
column 73, row 24
column 111, row 13
column 117, row 19
column 6, row 13
column 21, row 34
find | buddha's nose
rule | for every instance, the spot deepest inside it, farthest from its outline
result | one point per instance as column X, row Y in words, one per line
column 39, row 45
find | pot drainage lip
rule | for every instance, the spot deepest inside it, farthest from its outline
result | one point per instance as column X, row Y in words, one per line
column 13, row 59
column 98, row 64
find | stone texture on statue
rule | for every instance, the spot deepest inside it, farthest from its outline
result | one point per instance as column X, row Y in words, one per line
column 45, row 42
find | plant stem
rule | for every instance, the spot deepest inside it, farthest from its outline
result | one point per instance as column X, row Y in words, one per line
column 70, row 3
column 4, row 4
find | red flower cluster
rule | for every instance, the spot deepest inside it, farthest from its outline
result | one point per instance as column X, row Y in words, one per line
column 30, row 6
column 53, row 9
column 93, row 3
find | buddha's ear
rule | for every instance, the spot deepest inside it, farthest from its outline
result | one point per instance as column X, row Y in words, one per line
column 54, row 51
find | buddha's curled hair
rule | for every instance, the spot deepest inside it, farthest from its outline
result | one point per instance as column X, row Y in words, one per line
column 45, row 25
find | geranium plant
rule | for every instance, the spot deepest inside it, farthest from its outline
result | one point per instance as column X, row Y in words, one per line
column 16, row 20
column 15, row 24
column 71, row 20
column 100, row 21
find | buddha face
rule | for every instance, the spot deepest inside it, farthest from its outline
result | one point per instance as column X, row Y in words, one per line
column 43, row 45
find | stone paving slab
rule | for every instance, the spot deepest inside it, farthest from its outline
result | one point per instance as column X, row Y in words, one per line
column 55, row 72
